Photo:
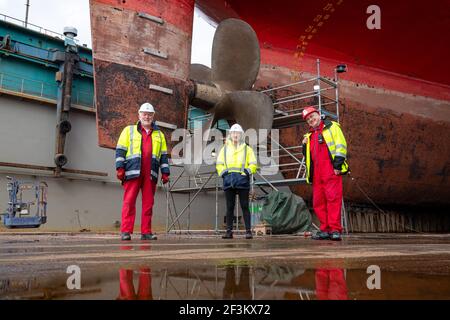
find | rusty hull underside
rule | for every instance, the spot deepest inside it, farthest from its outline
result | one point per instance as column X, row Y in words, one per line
column 117, row 108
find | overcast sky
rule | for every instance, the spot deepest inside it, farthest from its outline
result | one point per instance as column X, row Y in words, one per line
column 54, row 15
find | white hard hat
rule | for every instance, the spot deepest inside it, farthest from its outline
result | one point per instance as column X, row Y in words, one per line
column 236, row 128
column 146, row 107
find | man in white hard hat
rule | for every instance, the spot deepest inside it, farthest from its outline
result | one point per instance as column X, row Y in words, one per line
column 235, row 163
column 141, row 153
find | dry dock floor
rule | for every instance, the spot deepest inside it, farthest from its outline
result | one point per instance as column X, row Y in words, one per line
column 199, row 266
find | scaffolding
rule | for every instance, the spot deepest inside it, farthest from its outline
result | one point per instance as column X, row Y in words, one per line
column 225, row 282
column 203, row 181
column 289, row 101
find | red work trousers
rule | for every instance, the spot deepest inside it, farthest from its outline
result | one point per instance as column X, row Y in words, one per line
column 327, row 201
column 131, row 188
column 331, row 285
column 127, row 291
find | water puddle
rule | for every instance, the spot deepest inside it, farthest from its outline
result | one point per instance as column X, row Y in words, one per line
column 231, row 280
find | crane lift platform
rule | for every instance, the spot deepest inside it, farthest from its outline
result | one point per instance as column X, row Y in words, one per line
column 19, row 211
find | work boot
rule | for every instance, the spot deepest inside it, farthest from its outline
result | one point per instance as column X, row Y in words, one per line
column 125, row 236
column 336, row 236
column 248, row 234
column 228, row 235
column 321, row 235
column 148, row 236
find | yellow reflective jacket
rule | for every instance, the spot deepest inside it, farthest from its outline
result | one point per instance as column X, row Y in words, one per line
column 129, row 152
column 236, row 159
column 337, row 149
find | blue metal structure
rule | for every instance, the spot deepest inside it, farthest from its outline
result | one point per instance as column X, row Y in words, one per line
column 29, row 62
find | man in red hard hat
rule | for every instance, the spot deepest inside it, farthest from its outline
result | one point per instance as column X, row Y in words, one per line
column 141, row 152
column 325, row 151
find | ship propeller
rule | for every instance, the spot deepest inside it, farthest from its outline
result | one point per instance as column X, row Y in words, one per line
column 224, row 90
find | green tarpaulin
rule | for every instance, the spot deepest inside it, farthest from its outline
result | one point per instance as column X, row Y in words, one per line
column 287, row 213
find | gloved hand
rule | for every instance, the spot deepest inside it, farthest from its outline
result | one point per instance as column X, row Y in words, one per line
column 164, row 178
column 121, row 174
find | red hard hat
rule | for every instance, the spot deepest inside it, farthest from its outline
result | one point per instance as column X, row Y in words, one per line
column 307, row 111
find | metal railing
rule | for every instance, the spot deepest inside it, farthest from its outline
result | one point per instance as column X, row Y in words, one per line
column 42, row 89
column 295, row 161
column 290, row 99
column 34, row 27
column 201, row 182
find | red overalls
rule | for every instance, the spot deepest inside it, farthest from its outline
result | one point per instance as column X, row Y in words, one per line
column 132, row 187
column 327, row 187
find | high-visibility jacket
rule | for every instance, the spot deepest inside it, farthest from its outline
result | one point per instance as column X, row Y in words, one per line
column 129, row 152
column 239, row 159
column 337, row 149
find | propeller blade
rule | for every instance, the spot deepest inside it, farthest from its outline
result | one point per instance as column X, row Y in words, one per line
column 250, row 109
column 235, row 56
column 200, row 73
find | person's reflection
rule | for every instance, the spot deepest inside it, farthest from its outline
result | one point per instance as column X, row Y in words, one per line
column 131, row 248
column 240, row 291
column 330, row 284
column 127, row 291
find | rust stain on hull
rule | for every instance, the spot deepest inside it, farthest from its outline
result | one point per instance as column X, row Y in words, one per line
column 121, row 89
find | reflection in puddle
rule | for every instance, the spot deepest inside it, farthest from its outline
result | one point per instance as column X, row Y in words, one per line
column 330, row 284
column 127, row 291
column 287, row 282
column 239, row 290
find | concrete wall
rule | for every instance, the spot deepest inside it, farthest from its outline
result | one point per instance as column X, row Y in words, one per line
column 27, row 136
